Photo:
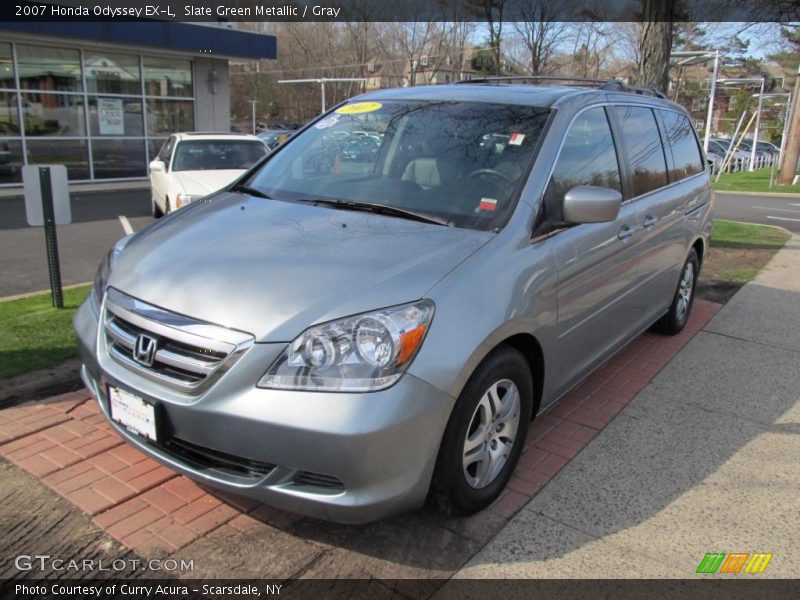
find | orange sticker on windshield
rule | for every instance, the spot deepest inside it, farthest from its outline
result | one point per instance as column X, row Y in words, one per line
column 358, row 107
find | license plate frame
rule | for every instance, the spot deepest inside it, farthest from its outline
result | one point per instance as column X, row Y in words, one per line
column 134, row 413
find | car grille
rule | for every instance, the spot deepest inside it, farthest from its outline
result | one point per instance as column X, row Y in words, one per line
column 187, row 354
column 201, row 458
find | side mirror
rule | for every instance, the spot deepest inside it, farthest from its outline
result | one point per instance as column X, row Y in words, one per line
column 591, row 204
column 157, row 166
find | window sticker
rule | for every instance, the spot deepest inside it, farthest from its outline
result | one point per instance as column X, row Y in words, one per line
column 358, row 108
column 487, row 204
column 328, row 122
column 516, row 139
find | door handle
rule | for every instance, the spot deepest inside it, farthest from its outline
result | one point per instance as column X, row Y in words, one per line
column 627, row 232
column 649, row 221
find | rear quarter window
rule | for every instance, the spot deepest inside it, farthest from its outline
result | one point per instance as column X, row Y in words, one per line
column 682, row 141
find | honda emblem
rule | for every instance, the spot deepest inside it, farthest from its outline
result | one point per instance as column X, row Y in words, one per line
column 144, row 350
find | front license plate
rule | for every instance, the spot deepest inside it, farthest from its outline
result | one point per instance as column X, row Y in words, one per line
column 132, row 412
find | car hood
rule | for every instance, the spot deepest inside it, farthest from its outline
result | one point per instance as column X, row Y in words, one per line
column 273, row 268
column 202, row 183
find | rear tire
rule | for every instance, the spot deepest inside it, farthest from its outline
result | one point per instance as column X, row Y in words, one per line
column 157, row 212
column 675, row 320
column 167, row 208
column 485, row 435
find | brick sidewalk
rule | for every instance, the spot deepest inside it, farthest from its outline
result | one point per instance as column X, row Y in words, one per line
column 67, row 444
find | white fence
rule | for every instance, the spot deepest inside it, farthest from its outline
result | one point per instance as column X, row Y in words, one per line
column 743, row 164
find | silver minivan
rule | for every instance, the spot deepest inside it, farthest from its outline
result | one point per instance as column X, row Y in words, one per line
column 373, row 314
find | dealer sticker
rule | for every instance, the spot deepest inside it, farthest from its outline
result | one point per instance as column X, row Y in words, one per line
column 358, row 107
column 516, row 139
column 487, row 204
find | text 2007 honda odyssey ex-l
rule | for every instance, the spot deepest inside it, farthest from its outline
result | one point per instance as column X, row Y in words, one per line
column 373, row 315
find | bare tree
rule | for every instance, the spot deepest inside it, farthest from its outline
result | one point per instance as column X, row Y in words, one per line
column 491, row 11
column 540, row 33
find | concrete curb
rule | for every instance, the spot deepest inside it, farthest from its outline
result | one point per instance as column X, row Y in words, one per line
column 42, row 292
column 64, row 377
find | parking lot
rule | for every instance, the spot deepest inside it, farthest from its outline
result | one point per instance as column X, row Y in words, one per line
column 95, row 227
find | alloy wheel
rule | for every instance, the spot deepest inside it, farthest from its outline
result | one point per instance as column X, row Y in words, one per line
column 491, row 433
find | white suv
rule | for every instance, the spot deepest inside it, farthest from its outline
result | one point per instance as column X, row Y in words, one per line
column 192, row 165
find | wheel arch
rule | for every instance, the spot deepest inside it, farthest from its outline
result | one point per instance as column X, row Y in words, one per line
column 699, row 246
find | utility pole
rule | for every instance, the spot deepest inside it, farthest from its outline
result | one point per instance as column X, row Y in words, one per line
column 790, row 156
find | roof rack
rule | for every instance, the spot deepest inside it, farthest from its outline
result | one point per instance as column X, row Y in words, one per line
column 611, row 85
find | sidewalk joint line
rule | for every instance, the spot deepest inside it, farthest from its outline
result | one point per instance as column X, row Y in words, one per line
column 757, row 343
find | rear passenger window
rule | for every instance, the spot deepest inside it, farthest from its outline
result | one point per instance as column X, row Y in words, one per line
column 588, row 156
column 643, row 143
column 686, row 156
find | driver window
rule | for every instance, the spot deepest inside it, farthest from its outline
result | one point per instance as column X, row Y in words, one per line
column 588, row 157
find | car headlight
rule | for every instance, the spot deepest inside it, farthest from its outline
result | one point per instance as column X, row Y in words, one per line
column 362, row 353
column 184, row 199
column 106, row 265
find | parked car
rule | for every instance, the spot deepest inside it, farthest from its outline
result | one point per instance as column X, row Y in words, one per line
column 190, row 166
column 274, row 137
column 347, row 341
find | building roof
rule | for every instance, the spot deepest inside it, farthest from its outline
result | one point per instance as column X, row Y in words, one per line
column 204, row 40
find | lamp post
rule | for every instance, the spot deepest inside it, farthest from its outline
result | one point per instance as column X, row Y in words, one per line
column 786, row 117
column 322, row 81
column 762, row 80
column 691, row 57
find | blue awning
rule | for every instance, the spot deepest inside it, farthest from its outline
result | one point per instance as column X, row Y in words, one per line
column 202, row 40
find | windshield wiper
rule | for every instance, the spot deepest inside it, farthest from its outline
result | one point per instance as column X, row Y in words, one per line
column 380, row 209
column 246, row 189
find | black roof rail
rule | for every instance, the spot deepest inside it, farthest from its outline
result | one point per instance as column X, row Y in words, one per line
column 534, row 78
column 615, row 85
column 609, row 85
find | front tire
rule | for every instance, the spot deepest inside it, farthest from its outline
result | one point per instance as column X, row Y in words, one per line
column 485, row 434
column 676, row 318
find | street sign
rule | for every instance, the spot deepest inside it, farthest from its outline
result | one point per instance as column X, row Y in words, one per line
column 47, row 203
column 33, row 194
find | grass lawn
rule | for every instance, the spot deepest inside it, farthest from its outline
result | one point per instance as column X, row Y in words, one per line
column 34, row 335
column 756, row 181
column 730, row 234
column 738, row 252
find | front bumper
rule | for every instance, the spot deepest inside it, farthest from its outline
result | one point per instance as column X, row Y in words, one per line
column 380, row 447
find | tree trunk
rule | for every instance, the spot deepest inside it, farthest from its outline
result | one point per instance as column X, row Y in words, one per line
column 656, row 44
column 791, row 147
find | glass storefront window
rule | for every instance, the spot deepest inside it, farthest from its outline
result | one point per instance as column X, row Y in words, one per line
column 49, row 69
column 165, row 117
column 9, row 114
column 118, row 158
column 70, row 153
column 115, row 116
column 53, row 115
column 167, row 77
column 108, row 73
column 6, row 67
column 105, row 129
column 10, row 161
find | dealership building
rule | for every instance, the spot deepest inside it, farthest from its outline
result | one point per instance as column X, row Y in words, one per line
column 101, row 97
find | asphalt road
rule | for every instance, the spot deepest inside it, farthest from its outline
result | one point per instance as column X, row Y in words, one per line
column 96, row 226
column 82, row 244
column 768, row 210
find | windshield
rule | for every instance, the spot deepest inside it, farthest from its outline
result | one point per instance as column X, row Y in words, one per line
column 199, row 155
column 457, row 161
